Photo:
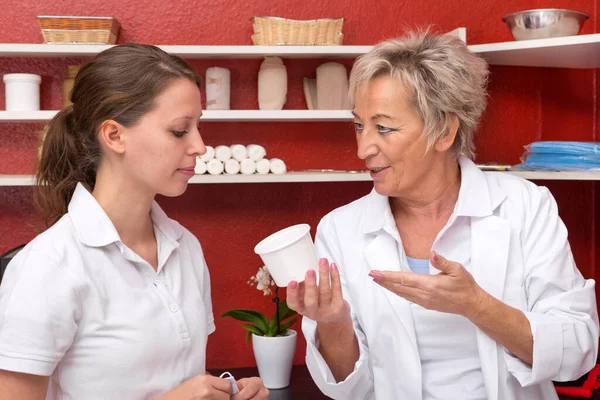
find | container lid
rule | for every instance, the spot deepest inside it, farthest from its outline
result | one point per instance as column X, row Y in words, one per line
column 22, row 78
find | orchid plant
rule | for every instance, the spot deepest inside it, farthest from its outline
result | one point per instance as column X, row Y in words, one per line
column 259, row 323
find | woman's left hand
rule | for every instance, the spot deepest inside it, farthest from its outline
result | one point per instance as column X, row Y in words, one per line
column 251, row 389
column 453, row 290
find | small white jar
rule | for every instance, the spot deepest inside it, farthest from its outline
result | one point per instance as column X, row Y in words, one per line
column 22, row 92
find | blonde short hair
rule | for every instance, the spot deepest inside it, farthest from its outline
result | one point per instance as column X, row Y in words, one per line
column 442, row 76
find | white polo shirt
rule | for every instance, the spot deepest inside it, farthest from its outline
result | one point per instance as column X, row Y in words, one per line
column 78, row 305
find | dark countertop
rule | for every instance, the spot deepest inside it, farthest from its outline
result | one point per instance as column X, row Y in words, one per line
column 302, row 387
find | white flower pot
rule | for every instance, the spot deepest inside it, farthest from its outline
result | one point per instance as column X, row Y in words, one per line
column 274, row 357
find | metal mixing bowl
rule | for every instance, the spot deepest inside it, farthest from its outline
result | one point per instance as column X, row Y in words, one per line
column 545, row 23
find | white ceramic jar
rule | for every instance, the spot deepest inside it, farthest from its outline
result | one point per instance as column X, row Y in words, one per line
column 22, row 92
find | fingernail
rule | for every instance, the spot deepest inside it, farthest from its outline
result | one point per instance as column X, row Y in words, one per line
column 293, row 285
column 323, row 262
column 376, row 275
column 334, row 267
column 436, row 258
column 311, row 274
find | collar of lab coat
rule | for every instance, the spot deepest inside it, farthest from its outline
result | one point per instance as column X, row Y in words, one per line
column 477, row 197
column 95, row 229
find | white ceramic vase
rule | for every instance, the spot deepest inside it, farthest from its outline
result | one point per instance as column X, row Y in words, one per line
column 272, row 84
column 274, row 357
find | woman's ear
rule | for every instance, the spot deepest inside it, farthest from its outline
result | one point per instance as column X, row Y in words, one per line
column 447, row 140
column 111, row 135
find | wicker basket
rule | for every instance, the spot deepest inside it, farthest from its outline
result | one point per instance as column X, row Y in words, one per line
column 89, row 30
column 274, row 31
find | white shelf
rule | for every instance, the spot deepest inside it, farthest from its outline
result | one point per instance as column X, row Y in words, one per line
column 581, row 51
column 289, row 177
column 16, row 180
column 277, row 115
column 558, row 175
column 26, row 116
column 27, row 180
column 187, row 51
column 212, row 116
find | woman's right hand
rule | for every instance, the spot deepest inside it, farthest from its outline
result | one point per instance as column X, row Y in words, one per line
column 205, row 387
column 324, row 302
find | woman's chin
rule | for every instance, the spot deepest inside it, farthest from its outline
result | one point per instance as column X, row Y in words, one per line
column 382, row 189
column 174, row 190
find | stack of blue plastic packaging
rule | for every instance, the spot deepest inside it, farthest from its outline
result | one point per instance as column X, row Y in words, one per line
column 551, row 156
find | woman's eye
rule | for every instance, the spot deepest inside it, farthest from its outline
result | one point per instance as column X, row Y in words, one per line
column 358, row 127
column 384, row 130
column 179, row 133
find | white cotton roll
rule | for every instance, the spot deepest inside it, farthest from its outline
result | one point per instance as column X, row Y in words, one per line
column 256, row 152
column 200, row 167
column 263, row 166
column 215, row 167
column 209, row 155
column 232, row 167
column 222, row 153
column 239, row 152
column 248, row 166
column 277, row 166
column 218, row 88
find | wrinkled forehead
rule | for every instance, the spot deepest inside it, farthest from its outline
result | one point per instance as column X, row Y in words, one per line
column 381, row 92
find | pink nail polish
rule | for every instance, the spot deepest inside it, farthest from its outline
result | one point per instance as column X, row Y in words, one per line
column 311, row 274
column 436, row 258
column 293, row 285
column 376, row 275
column 323, row 262
column 334, row 267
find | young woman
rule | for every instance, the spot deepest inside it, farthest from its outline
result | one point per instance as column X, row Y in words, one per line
column 113, row 300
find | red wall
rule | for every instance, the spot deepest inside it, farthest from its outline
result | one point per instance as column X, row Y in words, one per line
column 526, row 104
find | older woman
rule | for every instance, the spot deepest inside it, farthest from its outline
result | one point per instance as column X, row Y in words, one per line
column 474, row 291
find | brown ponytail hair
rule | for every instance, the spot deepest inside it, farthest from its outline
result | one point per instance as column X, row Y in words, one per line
column 119, row 84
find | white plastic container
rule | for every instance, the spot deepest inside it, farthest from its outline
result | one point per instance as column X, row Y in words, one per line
column 288, row 254
column 22, row 92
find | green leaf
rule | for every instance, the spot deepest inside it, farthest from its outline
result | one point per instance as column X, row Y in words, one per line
column 272, row 327
column 286, row 325
column 253, row 329
column 248, row 336
column 284, row 311
column 257, row 318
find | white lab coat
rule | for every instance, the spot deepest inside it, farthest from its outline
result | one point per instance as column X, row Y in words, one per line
column 519, row 254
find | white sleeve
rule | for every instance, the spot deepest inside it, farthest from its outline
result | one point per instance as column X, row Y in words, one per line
column 206, row 296
column 40, row 307
column 359, row 384
column 561, row 304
